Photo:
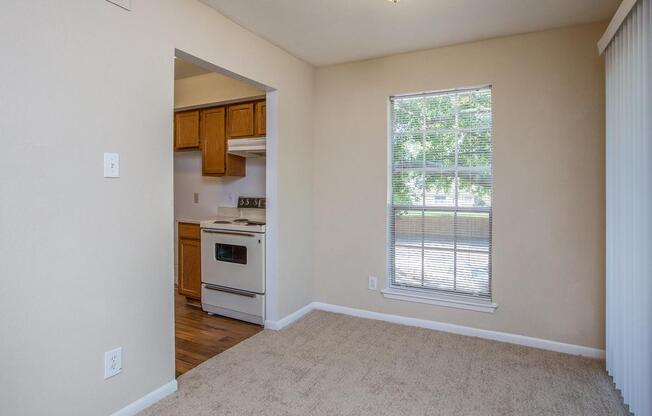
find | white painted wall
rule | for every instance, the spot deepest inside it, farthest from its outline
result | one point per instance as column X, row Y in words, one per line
column 211, row 88
column 86, row 262
column 213, row 191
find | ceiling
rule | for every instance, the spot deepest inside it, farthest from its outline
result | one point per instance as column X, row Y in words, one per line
column 326, row 32
column 184, row 69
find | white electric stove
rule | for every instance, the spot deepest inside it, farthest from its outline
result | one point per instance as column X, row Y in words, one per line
column 233, row 267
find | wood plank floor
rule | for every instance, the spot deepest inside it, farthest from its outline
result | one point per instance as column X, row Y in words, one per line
column 200, row 336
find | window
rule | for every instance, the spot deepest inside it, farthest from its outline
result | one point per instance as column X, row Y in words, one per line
column 441, row 190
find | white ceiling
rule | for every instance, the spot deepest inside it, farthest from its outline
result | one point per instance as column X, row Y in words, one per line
column 325, row 32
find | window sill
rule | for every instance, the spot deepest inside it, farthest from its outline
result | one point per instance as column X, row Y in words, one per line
column 449, row 301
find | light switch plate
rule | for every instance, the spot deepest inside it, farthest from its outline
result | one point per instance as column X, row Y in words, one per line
column 125, row 4
column 111, row 165
column 112, row 362
column 373, row 283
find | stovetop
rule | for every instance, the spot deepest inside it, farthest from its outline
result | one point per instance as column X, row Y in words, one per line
column 237, row 224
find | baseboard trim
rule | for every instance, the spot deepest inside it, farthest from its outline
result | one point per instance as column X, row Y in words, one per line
column 147, row 400
column 294, row 316
column 462, row 330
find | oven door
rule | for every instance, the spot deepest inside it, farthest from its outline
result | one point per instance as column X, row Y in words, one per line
column 233, row 259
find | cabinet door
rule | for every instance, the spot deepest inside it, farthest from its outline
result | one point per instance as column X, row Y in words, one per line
column 261, row 118
column 241, row 120
column 190, row 268
column 186, row 130
column 213, row 142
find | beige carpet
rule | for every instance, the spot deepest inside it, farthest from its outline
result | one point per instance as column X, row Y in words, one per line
column 328, row 364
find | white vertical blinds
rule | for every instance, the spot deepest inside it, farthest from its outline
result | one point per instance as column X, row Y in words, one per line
column 441, row 185
column 629, row 207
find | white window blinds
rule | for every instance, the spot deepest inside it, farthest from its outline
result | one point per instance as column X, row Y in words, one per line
column 441, row 186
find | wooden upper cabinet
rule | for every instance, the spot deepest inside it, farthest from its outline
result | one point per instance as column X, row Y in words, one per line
column 186, row 130
column 241, row 120
column 213, row 139
column 189, row 262
column 215, row 160
column 261, row 118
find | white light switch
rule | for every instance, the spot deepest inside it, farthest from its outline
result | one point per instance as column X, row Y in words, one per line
column 112, row 362
column 111, row 165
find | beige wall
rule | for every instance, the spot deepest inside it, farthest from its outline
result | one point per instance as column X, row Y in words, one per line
column 548, row 258
column 211, row 88
column 87, row 262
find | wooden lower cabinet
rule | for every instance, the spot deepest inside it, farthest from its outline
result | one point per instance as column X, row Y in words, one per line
column 189, row 261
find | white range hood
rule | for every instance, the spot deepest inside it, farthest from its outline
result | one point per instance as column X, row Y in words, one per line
column 250, row 147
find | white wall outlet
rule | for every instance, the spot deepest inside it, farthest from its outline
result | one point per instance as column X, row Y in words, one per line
column 111, row 165
column 112, row 362
column 373, row 283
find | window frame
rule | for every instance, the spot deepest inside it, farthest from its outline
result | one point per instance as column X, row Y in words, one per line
column 434, row 296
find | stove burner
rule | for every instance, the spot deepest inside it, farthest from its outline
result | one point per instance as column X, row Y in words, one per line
column 255, row 223
column 221, row 222
column 241, row 220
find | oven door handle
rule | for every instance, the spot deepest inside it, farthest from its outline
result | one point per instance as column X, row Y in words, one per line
column 230, row 290
column 204, row 230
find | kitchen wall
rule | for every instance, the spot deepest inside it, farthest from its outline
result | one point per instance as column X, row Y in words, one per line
column 213, row 191
column 87, row 262
column 548, row 229
column 211, row 88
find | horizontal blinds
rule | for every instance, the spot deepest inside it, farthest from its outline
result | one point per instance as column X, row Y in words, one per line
column 441, row 186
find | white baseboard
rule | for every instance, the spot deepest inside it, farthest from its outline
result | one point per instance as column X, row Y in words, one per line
column 465, row 330
column 294, row 316
column 147, row 400
column 543, row 344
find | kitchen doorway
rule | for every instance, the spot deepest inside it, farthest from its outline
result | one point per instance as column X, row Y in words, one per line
column 224, row 151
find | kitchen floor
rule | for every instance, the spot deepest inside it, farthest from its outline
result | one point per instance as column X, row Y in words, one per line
column 200, row 336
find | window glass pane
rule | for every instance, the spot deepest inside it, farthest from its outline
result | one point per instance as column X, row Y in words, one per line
column 407, row 188
column 439, row 112
column 408, row 115
column 475, row 148
column 474, row 189
column 407, row 151
column 440, row 190
column 472, row 230
column 439, row 253
column 440, row 149
column 407, row 247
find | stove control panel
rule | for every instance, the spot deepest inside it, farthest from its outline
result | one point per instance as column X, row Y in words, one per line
column 247, row 202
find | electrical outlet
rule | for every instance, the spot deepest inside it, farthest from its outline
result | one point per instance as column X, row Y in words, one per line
column 373, row 283
column 195, row 197
column 112, row 362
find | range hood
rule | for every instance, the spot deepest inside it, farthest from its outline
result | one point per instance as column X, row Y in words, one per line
column 250, row 147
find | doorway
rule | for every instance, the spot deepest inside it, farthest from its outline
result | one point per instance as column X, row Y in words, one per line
column 220, row 178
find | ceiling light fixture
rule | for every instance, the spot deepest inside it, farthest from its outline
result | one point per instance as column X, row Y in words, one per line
column 393, row 1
